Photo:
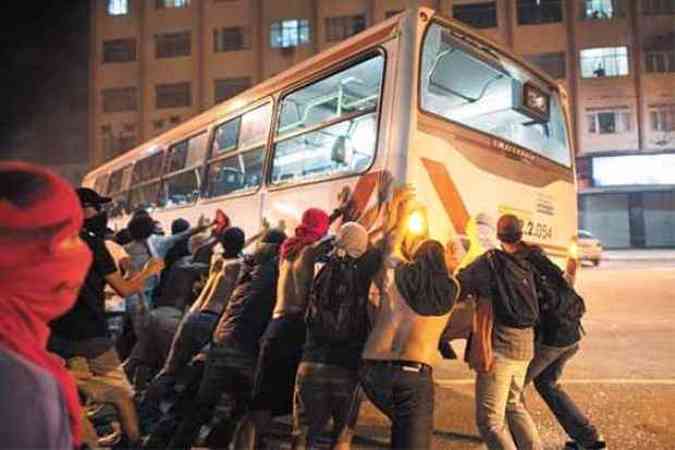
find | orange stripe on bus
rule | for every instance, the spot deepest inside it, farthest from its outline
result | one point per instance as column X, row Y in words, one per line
column 448, row 193
column 364, row 189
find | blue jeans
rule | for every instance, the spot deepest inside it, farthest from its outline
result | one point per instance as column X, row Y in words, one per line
column 546, row 369
column 406, row 397
column 499, row 401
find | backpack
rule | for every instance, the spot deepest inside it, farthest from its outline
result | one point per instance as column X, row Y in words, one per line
column 337, row 309
column 558, row 299
column 515, row 297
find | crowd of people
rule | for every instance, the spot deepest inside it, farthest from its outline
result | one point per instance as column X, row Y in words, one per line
column 218, row 340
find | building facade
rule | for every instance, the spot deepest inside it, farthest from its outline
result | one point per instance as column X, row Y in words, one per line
column 156, row 63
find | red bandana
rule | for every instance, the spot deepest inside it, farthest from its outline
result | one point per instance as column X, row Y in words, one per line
column 38, row 279
column 313, row 227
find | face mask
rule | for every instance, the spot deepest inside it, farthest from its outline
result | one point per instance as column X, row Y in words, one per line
column 97, row 224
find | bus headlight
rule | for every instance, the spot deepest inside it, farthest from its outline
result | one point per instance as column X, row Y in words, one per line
column 573, row 251
column 417, row 223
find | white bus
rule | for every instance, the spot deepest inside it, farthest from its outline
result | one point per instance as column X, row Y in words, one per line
column 418, row 99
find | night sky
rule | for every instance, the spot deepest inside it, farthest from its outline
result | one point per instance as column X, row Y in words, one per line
column 44, row 74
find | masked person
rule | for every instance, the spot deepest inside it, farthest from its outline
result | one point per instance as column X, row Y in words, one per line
column 43, row 263
column 417, row 295
column 81, row 336
column 326, row 385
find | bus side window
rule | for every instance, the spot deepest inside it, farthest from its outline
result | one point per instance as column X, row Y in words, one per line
column 344, row 107
column 181, row 185
column 238, row 153
column 144, row 193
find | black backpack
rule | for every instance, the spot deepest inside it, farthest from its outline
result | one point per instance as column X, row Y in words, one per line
column 558, row 299
column 337, row 309
column 515, row 297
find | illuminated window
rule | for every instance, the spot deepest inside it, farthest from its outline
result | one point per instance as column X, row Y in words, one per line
column 604, row 62
column 600, row 9
column 610, row 121
column 174, row 95
column 533, row 12
column 173, row 45
column 662, row 118
column 230, row 39
column 339, row 28
column 478, row 15
column 163, row 4
column 118, row 7
column 658, row 7
column 289, row 33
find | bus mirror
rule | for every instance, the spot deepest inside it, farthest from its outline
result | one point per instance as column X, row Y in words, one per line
column 342, row 152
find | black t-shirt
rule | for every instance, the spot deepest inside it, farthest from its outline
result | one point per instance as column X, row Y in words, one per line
column 347, row 354
column 180, row 281
column 87, row 319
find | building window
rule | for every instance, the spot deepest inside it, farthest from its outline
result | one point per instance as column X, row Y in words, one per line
column 604, row 62
column 163, row 4
column 119, row 99
column 660, row 61
column 658, row 7
column 339, row 28
column 118, row 7
column 609, row 121
column 533, row 12
column 662, row 118
column 551, row 63
column 600, row 9
column 174, row 95
column 229, row 87
column 289, row 33
column 478, row 15
column 392, row 13
column 119, row 51
column 116, row 144
column 173, row 45
column 230, row 39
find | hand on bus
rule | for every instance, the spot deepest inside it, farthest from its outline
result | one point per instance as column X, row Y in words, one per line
column 203, row 222
column 265, row 224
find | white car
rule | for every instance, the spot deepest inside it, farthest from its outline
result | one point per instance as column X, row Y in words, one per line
column 589, row 247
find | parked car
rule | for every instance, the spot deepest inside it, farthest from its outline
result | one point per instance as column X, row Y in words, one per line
column 589, row 247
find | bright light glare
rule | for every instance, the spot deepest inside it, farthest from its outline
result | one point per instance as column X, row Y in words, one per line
column 416, row 223
column 573, row 251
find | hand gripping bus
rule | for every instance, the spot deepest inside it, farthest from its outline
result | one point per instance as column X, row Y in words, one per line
column 418, row 99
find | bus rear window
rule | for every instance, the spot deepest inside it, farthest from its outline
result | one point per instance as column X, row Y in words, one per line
column 490, row 93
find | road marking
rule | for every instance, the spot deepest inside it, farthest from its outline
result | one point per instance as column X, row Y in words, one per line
column 645, row 381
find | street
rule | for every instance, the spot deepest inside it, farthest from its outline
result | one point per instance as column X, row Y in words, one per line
column 623, row 376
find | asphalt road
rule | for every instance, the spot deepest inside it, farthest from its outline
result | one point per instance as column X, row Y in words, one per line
column 624, row 376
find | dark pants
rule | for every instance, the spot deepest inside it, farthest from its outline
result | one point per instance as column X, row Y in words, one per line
column 405, row 396
column 546, row 369
column 193, row 333
column 228, row 373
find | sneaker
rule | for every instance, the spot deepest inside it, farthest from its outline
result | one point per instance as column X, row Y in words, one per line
column 597, row 445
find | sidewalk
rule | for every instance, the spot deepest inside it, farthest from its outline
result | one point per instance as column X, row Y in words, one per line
column 639, row 255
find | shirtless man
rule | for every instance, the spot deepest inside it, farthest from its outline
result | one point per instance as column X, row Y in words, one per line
column 417, row 296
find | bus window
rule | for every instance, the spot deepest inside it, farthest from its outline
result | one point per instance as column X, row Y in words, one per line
column 487, row 92
column 117, row 183
column 145, row 197
column 254, row 126
column 101, row 184
column 227, row 137
column 148, row 168
column 181, row 185
column 235, row 174
column 340, row 113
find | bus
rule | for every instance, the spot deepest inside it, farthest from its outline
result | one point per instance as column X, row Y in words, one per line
column 418, row 99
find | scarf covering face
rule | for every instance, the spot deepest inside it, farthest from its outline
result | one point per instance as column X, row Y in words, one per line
column 313, row 226
column 425, row 283
column 39, row 280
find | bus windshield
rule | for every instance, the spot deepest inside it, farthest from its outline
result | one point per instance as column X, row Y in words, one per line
column 483, row 90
